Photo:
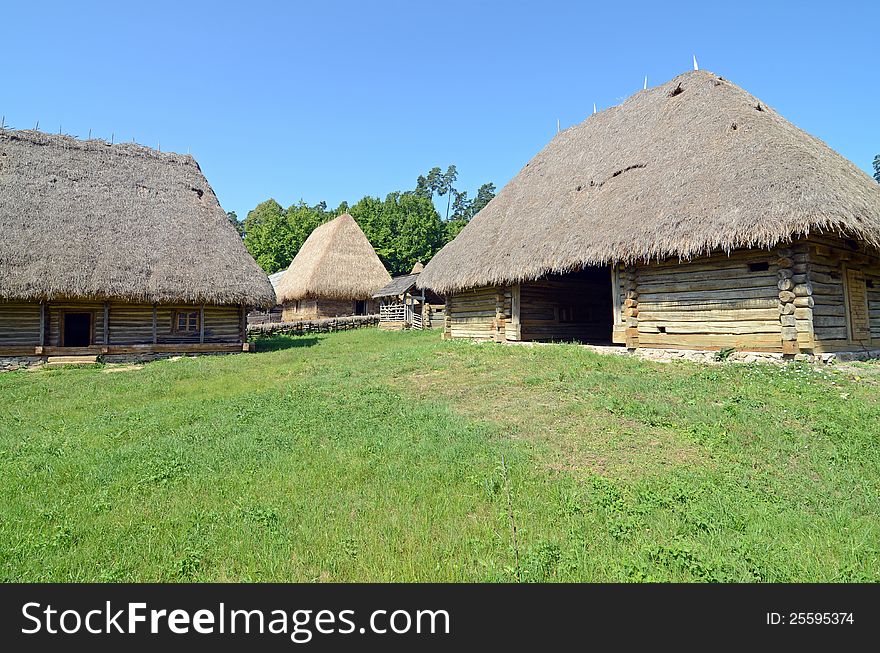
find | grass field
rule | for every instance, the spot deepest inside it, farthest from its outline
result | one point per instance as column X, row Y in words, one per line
column 371, row 456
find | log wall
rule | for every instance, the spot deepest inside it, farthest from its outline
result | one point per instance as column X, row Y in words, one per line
column 19, row 324
column 474, row 313
column 845, row 282
column 127, row 324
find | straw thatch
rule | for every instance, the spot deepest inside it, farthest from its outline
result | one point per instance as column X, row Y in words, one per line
column 686, row 168
column 86, row 219
column 400, row 284
column 336, row 262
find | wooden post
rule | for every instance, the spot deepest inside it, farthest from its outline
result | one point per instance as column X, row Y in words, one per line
column 499, row 314
column 155, row 331
column 42, row 324
column 515, row 311
column 243, row 324
column 202, row 323
column 106, row 323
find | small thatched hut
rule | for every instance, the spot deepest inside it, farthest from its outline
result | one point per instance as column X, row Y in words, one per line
column 401, row 306
column 334, row 274
column 692, row 216
column 116, row 249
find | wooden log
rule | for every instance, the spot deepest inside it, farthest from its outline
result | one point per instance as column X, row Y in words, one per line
column 721, row 315
column 804, row 302
column 786, row 296
column 784, row 262
column 732, row 328
column 785, row 284
column 786, row 309
column 702, row 295
column 743, row 282
column 783, row 273
column 789, row 333
column 802, row 289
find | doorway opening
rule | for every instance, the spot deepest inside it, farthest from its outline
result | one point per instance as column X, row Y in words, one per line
column 77, row 331
column 578, row 306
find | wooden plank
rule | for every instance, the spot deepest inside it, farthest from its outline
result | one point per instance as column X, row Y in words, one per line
column 106, row 338
column 155, row 330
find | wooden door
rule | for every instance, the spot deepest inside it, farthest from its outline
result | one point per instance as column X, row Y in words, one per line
column 857, row 306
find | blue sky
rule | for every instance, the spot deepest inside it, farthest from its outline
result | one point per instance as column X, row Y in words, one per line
column 335, row 100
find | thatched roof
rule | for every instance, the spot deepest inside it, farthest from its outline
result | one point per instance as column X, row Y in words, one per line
column 86, row 219
column 691, row 166
column 336, row 262
column 398, row 286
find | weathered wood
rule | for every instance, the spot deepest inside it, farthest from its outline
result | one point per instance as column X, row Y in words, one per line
column 735, row 328
column 106, row 335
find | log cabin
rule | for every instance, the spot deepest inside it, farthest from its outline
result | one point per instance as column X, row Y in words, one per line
column 334, row 274
column 116, row 250
column 402, row 306
column 692, row 216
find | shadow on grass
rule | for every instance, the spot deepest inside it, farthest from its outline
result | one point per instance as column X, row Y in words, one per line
column 278, row 343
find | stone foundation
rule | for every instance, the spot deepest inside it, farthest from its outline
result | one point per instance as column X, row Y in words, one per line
column 10, row 363
column 711, row 357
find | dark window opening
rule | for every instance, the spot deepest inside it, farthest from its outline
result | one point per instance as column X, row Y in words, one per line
column 360, row 307
column 77, row 330
column 869, row 283
column 661, row 329
column 759, row 267
column 186, row 321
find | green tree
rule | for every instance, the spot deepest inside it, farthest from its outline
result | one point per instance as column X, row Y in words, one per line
column 434, row 181
column 264, row 228
column 446, row 186
column 403, row 229
column 273, row 235
column 877, row 168
column 233, row 220
column 484, row 195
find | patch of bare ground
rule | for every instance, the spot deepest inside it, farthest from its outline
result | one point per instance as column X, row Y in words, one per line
column 577, row 435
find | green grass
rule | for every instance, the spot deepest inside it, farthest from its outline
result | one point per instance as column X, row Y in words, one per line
column 371, row 456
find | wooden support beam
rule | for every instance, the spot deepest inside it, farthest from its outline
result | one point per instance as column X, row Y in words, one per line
column 42, row 324
column 106, row 323
column 201, row 324
column 155, row 330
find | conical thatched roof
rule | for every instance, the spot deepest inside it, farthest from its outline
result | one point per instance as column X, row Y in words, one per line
column 688, row 167
column 336, row 262
column 86, row 219
column 418, row 267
